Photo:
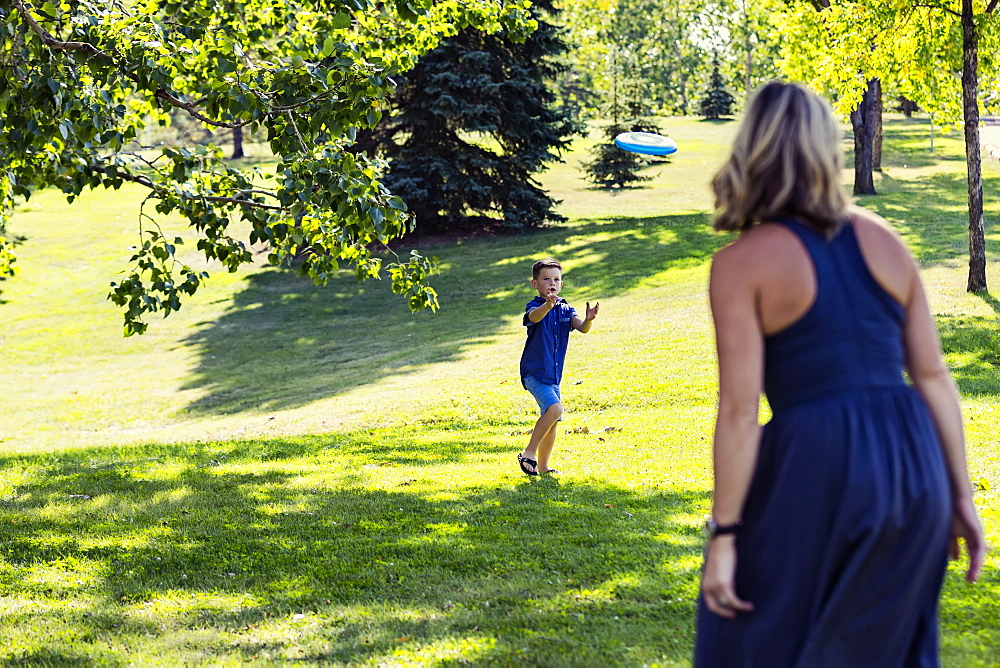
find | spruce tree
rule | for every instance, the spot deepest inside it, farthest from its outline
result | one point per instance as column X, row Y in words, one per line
column 611, row 166
column 472, row 125
column 717, row 101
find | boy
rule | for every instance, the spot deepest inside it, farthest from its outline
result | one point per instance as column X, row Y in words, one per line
column 549, row 319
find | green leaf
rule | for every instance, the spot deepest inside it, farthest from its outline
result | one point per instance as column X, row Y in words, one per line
column 341, row 21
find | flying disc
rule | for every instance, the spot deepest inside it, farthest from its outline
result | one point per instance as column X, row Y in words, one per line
column 647, row 143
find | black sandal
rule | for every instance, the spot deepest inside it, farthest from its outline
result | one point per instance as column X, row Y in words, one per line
column 524, row 462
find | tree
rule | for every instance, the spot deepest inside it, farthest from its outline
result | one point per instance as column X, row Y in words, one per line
column 931, row 51
column 839, row 48
column 971, row 36
column 472, row 125
column 237, row 144
column 718, row 101
column 611, row 166
column 80, row 79
column 651, row 37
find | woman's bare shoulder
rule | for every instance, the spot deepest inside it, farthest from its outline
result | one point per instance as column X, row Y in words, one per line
column 749, row 260
column 876, row 232
column 762, row 240
column 887, row 257
column 869, row 222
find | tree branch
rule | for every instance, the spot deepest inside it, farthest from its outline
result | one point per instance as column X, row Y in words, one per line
column 291, row 119
column 235, row 199
column 943, row 9
column 990, row 8
column 189, row 107
column 244, row 202
column 50, row 41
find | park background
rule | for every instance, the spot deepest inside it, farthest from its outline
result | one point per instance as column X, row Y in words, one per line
column 280, row 472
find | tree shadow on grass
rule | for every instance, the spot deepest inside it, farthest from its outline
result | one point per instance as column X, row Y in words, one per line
column 930, row 209
column 194, row 552
column 972, row 346
column 285, row 342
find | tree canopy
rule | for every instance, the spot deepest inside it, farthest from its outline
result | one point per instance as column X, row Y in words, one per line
column 938, row 53
column 80, row 79
column 471, row 127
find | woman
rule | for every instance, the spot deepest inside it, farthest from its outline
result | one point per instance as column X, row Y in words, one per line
column 830, row 525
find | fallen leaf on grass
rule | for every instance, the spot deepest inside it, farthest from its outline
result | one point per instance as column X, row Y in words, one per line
column 609, row 505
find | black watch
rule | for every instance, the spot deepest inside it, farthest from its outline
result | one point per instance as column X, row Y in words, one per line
column 713, row 528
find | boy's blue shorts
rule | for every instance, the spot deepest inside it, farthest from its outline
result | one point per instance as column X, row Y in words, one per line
column 545, row 394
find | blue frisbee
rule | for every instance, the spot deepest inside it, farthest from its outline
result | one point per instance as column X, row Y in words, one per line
column 647, row 143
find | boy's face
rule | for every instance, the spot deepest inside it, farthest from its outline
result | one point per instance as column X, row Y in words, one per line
column 549, row 282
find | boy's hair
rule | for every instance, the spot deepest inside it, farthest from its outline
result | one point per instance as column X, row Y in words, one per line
column 547, row 263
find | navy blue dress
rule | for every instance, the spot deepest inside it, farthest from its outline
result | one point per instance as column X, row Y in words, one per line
column 846, row 522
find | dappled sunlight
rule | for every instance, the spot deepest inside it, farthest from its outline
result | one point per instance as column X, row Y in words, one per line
column 293, row 549
column 971, row 347
column 256, row 555
column 174, row 605
column 337, row 342
column 465, row 650
column 403, row 531
column 63, row 577
column 687, row 565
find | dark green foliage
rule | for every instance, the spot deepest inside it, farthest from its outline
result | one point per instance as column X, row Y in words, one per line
column 473, row 123
column 717, row 101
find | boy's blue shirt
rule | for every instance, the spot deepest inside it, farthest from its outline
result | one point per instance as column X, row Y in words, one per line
column 545, row 348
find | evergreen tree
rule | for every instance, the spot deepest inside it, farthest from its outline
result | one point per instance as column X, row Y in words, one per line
column 473, row 123
column 717, row 101
column 612, row 166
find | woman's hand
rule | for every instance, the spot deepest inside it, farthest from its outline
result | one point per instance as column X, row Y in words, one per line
column 718, row 580
column 965, row 524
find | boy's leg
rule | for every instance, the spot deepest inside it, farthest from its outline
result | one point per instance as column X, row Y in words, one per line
column 543, row 436
column 546, row 443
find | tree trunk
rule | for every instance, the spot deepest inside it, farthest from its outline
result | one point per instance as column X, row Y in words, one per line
column 877, row 140
column 863, row 122
column 970, row 103
column 238, row 144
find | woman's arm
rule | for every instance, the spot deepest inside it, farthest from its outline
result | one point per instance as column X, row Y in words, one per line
column 740, row 348
column 933, row 380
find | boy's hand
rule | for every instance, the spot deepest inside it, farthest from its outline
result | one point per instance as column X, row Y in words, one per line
column 552, row 297
column 592, row 312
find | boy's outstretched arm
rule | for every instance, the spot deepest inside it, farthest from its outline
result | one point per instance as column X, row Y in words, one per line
column 583, row 324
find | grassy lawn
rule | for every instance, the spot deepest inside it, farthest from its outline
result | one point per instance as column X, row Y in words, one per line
column 285, row 473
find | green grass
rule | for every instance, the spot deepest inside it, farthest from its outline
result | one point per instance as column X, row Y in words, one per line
column 287, row 473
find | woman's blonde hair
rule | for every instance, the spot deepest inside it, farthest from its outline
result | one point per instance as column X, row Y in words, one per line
column 785, row 163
